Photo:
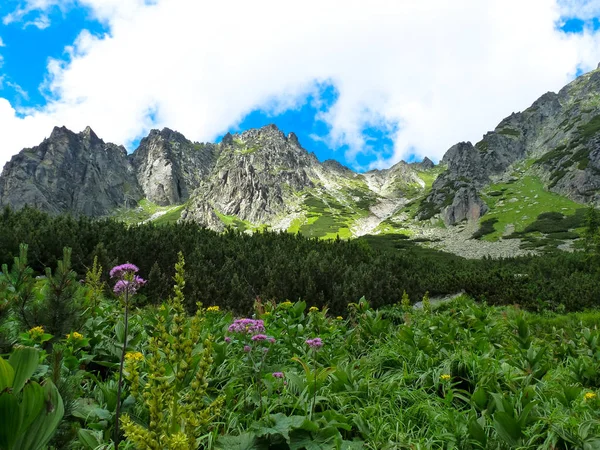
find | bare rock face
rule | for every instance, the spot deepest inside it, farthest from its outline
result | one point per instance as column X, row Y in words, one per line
column 69, row 172
column 466, row 205
column 169, row 167
column 255, row 172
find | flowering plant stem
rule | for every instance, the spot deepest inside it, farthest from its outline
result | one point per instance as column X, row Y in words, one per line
column 120, row 386
column 314, row 400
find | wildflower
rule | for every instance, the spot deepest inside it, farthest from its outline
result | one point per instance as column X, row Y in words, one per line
column 278, row 374
column 286, row 304
column 272, row 340
column 266, row 314
column 313, row 309
column 247, row 348
column 134, row 356
column 128, row 286
column 259, row 337
column 265, row 350
column 212, row 309
column 227, row 339
column 74, row 336
column 247, row 326
column 339, row 318
column 590, row 395
column 445, row 377
column 315, row 343
column 36, row 332
column 122, row 270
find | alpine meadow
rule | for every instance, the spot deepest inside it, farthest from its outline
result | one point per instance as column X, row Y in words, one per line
column 241, row 230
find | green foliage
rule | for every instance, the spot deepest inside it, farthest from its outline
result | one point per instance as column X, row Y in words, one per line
column 486, row 227
column 30, row 411
column 591, row 128
column 509, row 132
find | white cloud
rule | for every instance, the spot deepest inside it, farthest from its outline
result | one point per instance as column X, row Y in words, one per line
column 443, row 71
column 2, row 43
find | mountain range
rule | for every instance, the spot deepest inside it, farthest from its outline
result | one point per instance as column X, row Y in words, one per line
column 522, row 188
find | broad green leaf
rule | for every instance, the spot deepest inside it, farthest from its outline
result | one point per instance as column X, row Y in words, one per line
column 10, row 421
column 43, row 427
column 24, row 361
column 479, row 398
column 477, row 432
column 507, row 428
column 245, row 441
column 32, row 403
column 88, row 438
column 7, row 374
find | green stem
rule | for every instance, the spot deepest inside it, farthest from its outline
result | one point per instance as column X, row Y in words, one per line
column 312, row 408
column 118, row 412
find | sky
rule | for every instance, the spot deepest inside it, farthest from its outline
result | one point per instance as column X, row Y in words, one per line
column 365, row 83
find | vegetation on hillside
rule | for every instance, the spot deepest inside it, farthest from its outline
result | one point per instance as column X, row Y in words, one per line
column 452, row 375
column 232, row 269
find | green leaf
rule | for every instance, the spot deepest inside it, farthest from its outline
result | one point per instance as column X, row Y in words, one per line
column 477, row 432
column 120, row 331
column 45, row 424
column 245, row 441
column 7, row 374
column 507, row 428
column 32, row 403
column 11, row 420
column 479, row 398
column 24, row 361
column 88, row 438
column 281, row 425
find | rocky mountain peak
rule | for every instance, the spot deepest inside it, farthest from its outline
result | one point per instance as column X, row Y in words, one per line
column 70, row 172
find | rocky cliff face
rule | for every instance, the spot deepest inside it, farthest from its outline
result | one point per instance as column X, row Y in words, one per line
column 258, row 176
column 69, row 172
column 169, row 167
column 255, row 173
column 559, row 135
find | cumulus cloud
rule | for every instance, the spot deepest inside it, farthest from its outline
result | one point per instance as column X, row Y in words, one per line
column 431, row 73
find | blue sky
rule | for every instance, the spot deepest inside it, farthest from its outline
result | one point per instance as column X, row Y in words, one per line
column 341, row 111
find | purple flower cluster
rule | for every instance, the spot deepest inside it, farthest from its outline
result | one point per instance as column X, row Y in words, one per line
column 278, row 374
column 315, row 343
column 247, row 326
column 130, row 287
column 127, row 283
column 122, row 270
column 259, row 337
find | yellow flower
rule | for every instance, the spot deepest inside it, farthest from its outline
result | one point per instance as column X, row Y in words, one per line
column 212, row 309
column 339, row 318
column 286, row 304
column 74, row 336
column 36, row 332
column 590, row 395
column 445, row 377
column 313, row 309
column 134, row 356
column 266, row 314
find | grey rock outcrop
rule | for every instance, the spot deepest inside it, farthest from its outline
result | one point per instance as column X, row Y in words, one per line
column 69, row 172
column 169, row 167
column 255, row 172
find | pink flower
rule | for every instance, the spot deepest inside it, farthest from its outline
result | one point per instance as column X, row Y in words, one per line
column 120, row 271
column 247, row 326
column 272, row 340
column 315, row 343
column 227, row 339
column 278, row 374
column 247, row 348
column 259, row 337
